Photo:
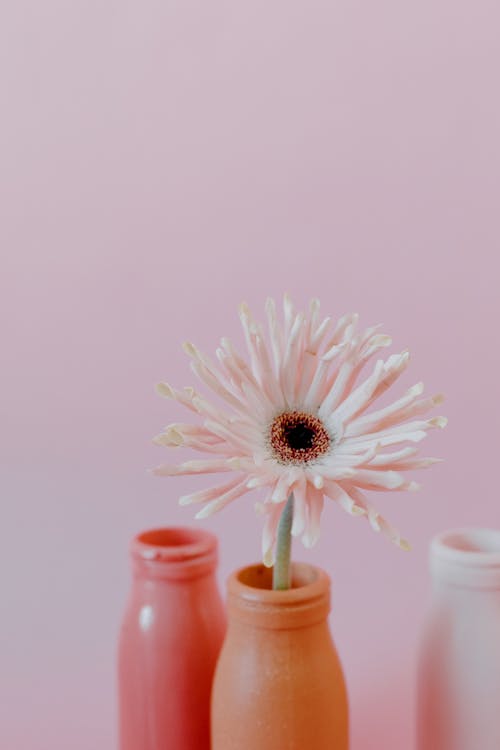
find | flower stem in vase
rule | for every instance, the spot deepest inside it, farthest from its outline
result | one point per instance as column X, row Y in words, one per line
column 281, row 570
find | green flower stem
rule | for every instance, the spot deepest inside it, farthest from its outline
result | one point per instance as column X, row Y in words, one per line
column 281, row 570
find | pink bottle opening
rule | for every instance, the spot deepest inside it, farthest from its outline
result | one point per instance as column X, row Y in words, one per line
column 175, row 552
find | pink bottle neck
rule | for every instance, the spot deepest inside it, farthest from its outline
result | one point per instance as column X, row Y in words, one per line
column 173, row 554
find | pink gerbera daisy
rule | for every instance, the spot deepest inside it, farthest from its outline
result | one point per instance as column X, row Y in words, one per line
column 296, row 421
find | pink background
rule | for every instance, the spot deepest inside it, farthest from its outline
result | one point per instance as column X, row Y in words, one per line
column 160, row 162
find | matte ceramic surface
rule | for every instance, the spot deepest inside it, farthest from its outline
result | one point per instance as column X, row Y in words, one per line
column 459, row 679
column 279, row 683
column 170, row 639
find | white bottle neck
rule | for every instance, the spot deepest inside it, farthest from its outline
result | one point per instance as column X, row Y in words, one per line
column 466, row 560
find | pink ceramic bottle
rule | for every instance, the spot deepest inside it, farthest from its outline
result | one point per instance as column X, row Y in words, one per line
column 459, row 678
column 171, row 635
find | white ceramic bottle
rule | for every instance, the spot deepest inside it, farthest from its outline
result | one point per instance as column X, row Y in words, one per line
column 459, row 669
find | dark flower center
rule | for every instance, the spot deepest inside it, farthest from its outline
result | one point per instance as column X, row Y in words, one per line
column 297, row 437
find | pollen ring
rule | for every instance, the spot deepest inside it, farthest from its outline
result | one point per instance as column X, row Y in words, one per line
column 297, row 437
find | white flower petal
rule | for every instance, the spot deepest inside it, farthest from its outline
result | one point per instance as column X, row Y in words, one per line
column 230, row 434
column 344, row 329
column 288, row 370
column 384, row 459
column 217, row 387
column 282, row 487
column 377, row 522
column 299, row 507
column 315, row 503
column 212, row 493
column 400, row 411
column 261, row 480
column 336, row 389
column 395, row 434
column 215, row 505
column 288, row 315
column 184, row 397
column 313, row 396
column 362, row 395
column 317, row 337
column 327, row 471
column 213, row 466
column 269, row 532
column 338, row 493
column 377, row 480
column 275, row 334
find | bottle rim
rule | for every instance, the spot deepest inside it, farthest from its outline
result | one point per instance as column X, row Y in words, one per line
column 174, row 552
column 468, row 546
column 251, row 598
column 172, row 543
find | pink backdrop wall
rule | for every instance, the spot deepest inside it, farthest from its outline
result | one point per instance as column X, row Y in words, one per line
column 160, row 162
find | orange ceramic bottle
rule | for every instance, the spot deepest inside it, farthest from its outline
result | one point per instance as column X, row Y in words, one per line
column 171, row 635
column 279, row 683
